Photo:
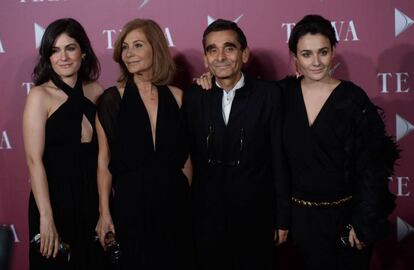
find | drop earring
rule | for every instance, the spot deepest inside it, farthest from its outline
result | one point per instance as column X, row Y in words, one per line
column 297, row 73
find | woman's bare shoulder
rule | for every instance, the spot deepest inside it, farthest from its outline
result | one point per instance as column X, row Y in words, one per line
column 93, row 90
column 42, row 94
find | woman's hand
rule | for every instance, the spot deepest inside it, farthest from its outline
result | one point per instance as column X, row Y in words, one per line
column 354, row 241
column 49, row 237
column 280, row 236
column 104, row 182
column 204, row 81
column 103, row 226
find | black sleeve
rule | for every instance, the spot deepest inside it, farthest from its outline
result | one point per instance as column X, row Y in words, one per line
column 107, row 111
column 185, row 108
column 280, row 166
column 190, row 102
column 375, row 155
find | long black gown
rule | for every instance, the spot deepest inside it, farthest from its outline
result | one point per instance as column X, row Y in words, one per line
column 150, row 206
column 71, row 175
column 345, row 152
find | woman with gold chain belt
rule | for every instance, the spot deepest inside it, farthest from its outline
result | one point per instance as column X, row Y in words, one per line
column 339, row 154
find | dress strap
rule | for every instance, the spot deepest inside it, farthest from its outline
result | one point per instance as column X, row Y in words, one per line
column 77, row 90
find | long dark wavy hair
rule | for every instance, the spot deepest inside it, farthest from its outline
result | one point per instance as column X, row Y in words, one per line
column 90, row 67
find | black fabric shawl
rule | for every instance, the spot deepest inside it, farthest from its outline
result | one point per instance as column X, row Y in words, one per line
column 376, row 154
column 107, row 111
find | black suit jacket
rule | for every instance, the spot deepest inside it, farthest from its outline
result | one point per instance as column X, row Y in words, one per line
column 239, row 176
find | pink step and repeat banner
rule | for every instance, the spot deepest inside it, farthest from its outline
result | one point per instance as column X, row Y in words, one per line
column 376, row 51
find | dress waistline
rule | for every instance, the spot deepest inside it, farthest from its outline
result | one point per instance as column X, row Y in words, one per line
column 323, row 204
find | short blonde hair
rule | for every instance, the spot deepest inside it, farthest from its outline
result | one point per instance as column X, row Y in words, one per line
column 163, row 65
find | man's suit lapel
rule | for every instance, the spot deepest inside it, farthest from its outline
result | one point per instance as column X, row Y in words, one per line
column 215, row 108
column 239, row 105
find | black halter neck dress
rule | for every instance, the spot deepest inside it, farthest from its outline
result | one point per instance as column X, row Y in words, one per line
column 150, row 203
column 70, row 167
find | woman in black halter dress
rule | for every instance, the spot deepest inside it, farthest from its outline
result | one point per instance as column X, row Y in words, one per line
column 142, row 153
column 61, row 149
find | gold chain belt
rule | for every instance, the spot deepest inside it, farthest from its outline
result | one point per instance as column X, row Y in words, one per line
column 304, row 203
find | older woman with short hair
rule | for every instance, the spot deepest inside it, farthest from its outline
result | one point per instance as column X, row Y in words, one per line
column 142, row 155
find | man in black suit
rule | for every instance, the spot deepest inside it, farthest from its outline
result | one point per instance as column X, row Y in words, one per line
column 240, row 193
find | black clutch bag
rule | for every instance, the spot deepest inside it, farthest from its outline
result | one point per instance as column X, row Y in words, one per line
column 63, row 249
column 344, row 235
column 6, row 243
column 112, row 248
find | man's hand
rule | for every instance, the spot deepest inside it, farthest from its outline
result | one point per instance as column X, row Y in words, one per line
column 354, row 241
column 204, row 81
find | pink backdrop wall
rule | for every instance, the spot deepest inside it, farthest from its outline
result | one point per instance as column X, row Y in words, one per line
column 376, row 51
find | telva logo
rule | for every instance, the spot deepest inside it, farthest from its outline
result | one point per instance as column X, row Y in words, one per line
column 402, row 127
column 344, row 30
column 403, row 229
column 1, row 48
column 143, row 3
column 402, row 22
column 4, row 141
column 41, row 1
column 211, row 19
column 39, row 31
